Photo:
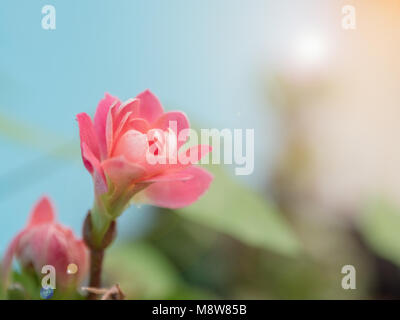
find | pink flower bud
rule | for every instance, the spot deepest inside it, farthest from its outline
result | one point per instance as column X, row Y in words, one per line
column 45, row 242
column 118, row 147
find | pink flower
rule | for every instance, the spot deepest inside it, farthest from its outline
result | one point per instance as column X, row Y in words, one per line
column 45, row 242
column 117, row 146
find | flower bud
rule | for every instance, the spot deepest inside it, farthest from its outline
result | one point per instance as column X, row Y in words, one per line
column 45, row 242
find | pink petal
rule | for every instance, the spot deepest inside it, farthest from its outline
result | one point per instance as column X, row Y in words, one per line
column 133, row 146
column 196, row 153
column 109, row 132
column 32, row 246
column 100, row 183
column 137, row 124
column 170, row 176
column 127, row 124
column 57, row 245
column 177, row 121
column 100, row 120
column 57, row 254
column 79, row 256
column 88, row 137
column 150, row 107
column 121, row 172
column 178, row 194
column 131, row 106
column 121, row 125
column 43, row 212
column 117, row 133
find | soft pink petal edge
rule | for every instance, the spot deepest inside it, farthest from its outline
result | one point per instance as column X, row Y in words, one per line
column 150, row 107
column 179, row 193
column 42, row 212
column 180, row 122
column 99, row 180
column 122, row 172
column 88, row 136
column 100, row 120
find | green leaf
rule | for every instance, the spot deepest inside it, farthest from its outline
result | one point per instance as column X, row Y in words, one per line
column 16, row 292
column 141, row 270
column 28, row 282
column 235, row 210
column 380, row 226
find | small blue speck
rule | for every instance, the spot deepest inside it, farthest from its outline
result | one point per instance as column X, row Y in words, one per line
column 46, row 293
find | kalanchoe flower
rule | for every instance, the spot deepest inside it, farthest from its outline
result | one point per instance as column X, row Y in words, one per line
column 116, row 148
column 45, row 242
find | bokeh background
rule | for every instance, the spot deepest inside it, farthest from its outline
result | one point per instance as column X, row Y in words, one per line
column 324, row 103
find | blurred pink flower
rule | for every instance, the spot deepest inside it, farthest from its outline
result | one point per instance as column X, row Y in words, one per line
column 116, row 148
column 45, row 242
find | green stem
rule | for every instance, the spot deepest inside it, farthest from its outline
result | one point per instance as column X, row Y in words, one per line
column 100, row 226
column 97, row 246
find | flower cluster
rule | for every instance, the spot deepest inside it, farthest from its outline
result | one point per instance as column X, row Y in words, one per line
column 46, row 242
column 135, row 152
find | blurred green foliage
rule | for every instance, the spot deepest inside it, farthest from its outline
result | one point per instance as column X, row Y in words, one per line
column 145, row 273
column 380, row 227
column 182, row 259
column 142, row 270
column 235, row 210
